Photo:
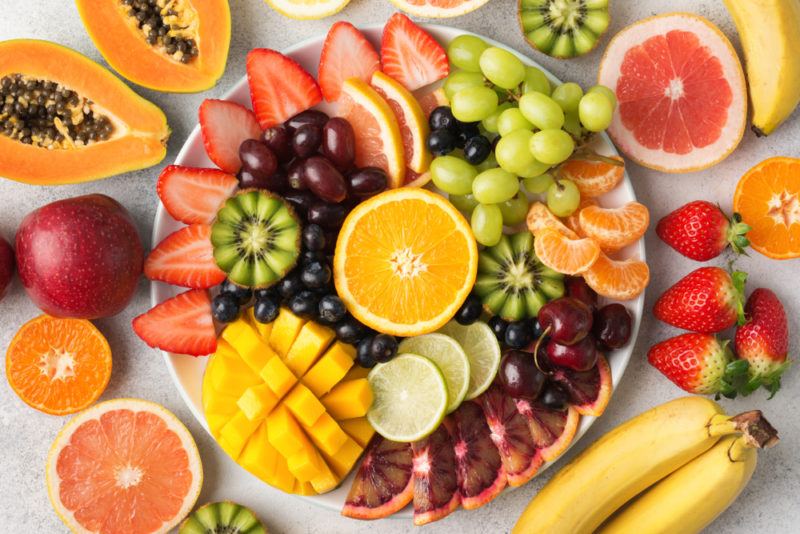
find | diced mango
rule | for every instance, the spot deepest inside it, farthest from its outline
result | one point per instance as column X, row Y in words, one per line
column 330, row 369
column 224, row 349
column 343, row 460
column 311, row 342
column 305, row 407
column 232, row 450
column 284, row 433
column 303, row 488
column 278, row 377
column 349, row 399
column 230, row 376
column 237, row 431
column 257, row 401
column 283, row 478
column 305, row 464
column 355, row 373
column 216, row 422
column 263, row 329
column 220, row 403
column 284, row 331
column 359, row 429
column 258, row 456
column 253, row 350
column 327, row 434
column 325, row 480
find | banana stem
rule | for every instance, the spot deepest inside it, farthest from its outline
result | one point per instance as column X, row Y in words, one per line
column 755, row 429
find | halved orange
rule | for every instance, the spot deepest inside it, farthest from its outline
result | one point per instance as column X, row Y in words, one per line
column 405, row 262
column 768, row 199
column 540, row 217
column 58, row 366
column 621, row 280
column 614, row 228
column 565, row 255
column 593, row 178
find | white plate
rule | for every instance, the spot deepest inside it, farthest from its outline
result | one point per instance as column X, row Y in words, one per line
column 187, row 371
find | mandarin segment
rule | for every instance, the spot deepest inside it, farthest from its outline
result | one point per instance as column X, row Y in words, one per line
column 540, row 217
column 568, row 256
column 573, row 221
column 615, row 228
column 621, row 280
column 593, row 178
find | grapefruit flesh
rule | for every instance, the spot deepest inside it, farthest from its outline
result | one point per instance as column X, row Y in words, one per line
column 681, row 92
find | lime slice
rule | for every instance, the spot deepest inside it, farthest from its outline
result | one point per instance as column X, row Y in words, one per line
column 409, row 398
column 449, row 357
column 483, row 352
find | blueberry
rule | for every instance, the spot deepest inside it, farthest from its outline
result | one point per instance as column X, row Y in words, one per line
column 519, row 334
column 241, row 294
column 441, row 142
column 290, row 285
column 364, row 353
column 313, row 237
column 477, row 150
column 498, row 326
column 304, row 303
column 383, row 348
column 348, row 330
column 266, row 293
column 265, row 310
column 442, row 117
column 315, row 274
column 225, row 308
column 470, row 311
column 466, row 131
column 331, row 309
column 309, row 256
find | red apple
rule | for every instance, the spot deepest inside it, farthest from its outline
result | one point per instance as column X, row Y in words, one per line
column 6, row 266
column 80, row 257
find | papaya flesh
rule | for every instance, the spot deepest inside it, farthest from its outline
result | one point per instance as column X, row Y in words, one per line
column 176, row 46
column 65, row 119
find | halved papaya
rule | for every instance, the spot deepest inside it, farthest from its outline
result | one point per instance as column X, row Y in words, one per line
column 65, row 119
column 176, row 46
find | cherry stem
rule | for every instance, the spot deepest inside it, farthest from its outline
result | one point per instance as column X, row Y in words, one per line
column 536, row 350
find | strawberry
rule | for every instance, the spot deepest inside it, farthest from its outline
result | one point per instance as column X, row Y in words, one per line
column 193, row 196
column 699, row 364
column 764, row 340
column 279, row 87
column 346, row 54
column 185, row 258
column 182, row 324
column 701, row 231
column 226, row 125
column 706, row 300
column 410, row 55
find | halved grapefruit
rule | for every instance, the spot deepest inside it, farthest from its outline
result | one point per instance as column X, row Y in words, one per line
column 122, row 466
column 681, row 92
column 438, row 9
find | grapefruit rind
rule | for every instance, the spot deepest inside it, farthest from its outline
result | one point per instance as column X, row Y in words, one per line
column 428, row 11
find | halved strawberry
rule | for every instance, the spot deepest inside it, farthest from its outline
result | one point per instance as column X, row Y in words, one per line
column 226, row 125
column 279, row 87
column 410, row 55
column 346, row 54
column 193, row 196
column 185, row 258
column 182, row 324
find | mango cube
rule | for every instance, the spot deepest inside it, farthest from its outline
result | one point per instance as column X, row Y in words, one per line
column 359, row 429
column 304, row 464
column 330, row 369
column 343, row 460
column 283, row 478
column 284, row 433
column 278, row 377
column 219, row 403
column 349, row 399
column 305, row 407
column 232, row 450
column 248, row 344
column 303, row 488
column 327, row 434
column 263, row 329
column 325, row 480
column 258, row 456
column 284, row 331
column 257, row 401
column 311, row 342
column 230, row 375
column 356, row 372
column 216, row 421
column 237, row 431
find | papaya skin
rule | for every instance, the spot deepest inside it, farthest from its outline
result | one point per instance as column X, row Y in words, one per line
column 124, row 47
column 141, row 130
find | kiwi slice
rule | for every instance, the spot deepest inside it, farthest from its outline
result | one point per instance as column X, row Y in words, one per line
column 564, row 28
column 222, row 518
column 256, row 238
column 512, row 282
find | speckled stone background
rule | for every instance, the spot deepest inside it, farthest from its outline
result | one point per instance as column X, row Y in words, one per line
column 768, row 504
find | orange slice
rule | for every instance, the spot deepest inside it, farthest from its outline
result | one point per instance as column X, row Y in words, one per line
column 565, row 255
column 593, row 178
column 573, row 221
column 58, row 366
column 405, row 262
column 621, row 280
column 540, row 217
column 614, row 228
column 768, row 199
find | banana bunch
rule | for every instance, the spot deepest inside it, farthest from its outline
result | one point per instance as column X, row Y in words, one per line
column 770, row 35
column 671, row 469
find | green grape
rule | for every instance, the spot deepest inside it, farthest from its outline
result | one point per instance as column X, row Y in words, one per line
column 538, row 184
column 459, row 79
column 473, row 104
column 490, row 123
column 487, row 224
column 572, row 125
column 512, row 119
column 502, row 68
column 453, row 175
column 568, row 95
column 463, row 203
column 551, row 146
column 563, row 198
column 514, row 210
column 595, row 111
column 534, row 168
column 513, row 152
column 541, row 110
column 602, row 89
column 465, row 52
column 535, row 80
column 489, row 163
column 494, row 185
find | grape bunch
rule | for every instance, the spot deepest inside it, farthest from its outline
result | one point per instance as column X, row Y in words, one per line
column 533, row 129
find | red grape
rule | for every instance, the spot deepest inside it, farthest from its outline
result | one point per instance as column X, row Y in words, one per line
column 330, row 216
column 279, row 140
column 310, row 116
column 322, row 178
column 258, row 159
column 306, row 140
column 339, row 143
column 367, row 182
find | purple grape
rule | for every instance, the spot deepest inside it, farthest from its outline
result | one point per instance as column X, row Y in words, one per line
column 367, row 182
column 302, row 201
column 276, row 182
column 306, row 140
column 295, row 172
column 279, row 140
column 258, row 159
column 339, row 143
column 310, row 116
column 330, row 216
column 324, row 180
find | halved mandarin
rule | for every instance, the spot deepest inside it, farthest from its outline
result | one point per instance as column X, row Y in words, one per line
column 621, row 280
column 405, row 262
column 565, row 255
column 614, row 228
column 593, row 178
column 540, row 217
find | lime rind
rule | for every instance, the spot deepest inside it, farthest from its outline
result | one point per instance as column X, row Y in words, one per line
column 483, row 352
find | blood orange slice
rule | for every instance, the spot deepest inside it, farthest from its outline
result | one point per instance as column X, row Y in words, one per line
column 435, row 481
column 552, row 430
column 681, row 92
column 383, row 484
column 122, row 466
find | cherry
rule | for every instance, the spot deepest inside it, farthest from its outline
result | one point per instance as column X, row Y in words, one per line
column 581, row 356
column 519, row 375
column 577, row 288
column 569, row 320
column 612, row 326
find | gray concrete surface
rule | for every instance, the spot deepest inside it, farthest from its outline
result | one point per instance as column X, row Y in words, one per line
column 768, row 504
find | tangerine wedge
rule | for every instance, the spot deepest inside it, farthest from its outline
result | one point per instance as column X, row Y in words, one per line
column 621, row 280
column 565, row 255
column 540, row 217
column 573, row 221
column 593, row 178
column 614, row 228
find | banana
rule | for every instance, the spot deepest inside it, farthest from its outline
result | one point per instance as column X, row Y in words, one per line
column 770, row 34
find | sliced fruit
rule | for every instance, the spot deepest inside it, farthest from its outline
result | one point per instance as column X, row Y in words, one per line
column 573, row 222
column 383, row 483
column 436, row 492
column 199, row 33
column 346, row 54
column 349, row 399
column 305, row 9
column 416, row 250
column 768, row 199
column 593, row 178
column 104, row 473
column 563, row 29
column 279, row 87
column 435, row 9
column 256, row 238
column 589, row 391
column 182, row 325
column 618, row 279
column 411, row 55
column 359, row 429
column 681, row 92
column 379, row 142
column 225, row 126
column 124, row 132
column 58, row 366
column 482, row 350
column 540, row 217
column 552, row 430
column 430, row 99
column 614, row 228
column 564, row 255
column 449, row 357
column 185, row 258
column 193, row 196
column 223, row 516
column 480, row 471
